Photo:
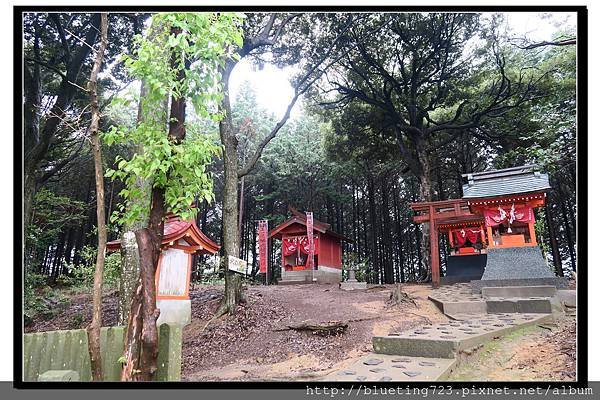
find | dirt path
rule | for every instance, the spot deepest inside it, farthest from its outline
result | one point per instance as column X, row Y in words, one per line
column 529, row 354
column 248, row 347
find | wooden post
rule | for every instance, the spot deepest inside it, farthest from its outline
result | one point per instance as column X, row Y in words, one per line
column 490, row 237
column 532, row 233
column 435, row 254
column 450, row 238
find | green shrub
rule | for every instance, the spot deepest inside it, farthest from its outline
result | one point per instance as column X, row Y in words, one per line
column 39, row 299
column 81, row 277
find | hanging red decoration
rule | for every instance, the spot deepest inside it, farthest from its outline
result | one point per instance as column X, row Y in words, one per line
column 497, row 216
column 461, row 236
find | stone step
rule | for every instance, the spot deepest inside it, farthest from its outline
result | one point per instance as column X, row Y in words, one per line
column 446, row 339
column 383, row 367
column 519, row 291
column 285, row 281
column 297, row 273
column 541, row 305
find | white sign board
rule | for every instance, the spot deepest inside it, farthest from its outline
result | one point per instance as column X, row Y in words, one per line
column 237, row 265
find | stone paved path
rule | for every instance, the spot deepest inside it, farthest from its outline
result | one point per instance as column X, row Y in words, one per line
column 384, row 367
column 428, row 353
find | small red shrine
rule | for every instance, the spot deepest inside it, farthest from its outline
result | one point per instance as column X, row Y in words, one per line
column 495, row 212
column 181, row 239
column 295, row 250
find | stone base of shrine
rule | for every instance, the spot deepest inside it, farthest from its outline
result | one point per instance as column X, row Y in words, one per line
column 174, row 312
column 353, row 285
column 557, row 282
column 321, row 275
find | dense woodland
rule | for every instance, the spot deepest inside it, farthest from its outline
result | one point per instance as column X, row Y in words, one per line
column 395, row 107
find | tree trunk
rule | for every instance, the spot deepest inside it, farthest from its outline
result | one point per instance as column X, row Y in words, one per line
column 94, row 328
column 134, row 332
column 130, row 260
column 149, row 244
column 241, row 212
column 553, row 243
column 425, row 189
column 373, row 217
column 233, row 283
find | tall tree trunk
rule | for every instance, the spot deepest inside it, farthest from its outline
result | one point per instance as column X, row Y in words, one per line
column 553, row 243
column 425, row 194
column 233, row 282
column 130, row 259
column 241, row 212
column 94, row 327
column 400, row 235
column 149, row 244
column 373, row 216
column 387, row 241
column 31, row 113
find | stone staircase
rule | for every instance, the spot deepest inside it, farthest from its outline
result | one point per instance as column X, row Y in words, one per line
column 430, row 352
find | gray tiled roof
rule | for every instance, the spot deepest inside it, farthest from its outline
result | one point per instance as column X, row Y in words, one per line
column 505, row 182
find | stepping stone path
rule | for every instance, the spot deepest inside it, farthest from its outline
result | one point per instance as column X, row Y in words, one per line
column 394, row 368
column 428, row 353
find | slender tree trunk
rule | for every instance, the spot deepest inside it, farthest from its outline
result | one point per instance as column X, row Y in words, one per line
column 241, row 212
column 233, row 282
column 94, row 328
column 373, row 216
column 553, row 243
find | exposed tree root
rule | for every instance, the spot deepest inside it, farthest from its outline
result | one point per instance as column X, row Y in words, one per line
column 398, row 296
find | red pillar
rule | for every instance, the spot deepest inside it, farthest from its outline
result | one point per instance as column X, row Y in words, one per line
column 435, row 254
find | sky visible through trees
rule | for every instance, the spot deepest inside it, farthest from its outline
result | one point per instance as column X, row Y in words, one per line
column 272, row 84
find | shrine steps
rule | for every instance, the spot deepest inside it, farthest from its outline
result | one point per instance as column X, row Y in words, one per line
column 431, row 352
column 519, row 291
column 459, row 298
column 293, row 281
column 447, row 339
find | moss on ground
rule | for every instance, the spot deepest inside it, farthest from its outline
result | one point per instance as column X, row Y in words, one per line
column 494, row 351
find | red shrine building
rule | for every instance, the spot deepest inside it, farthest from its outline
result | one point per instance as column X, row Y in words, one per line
column 295, row 250
column 491, row 230
column 181, row 239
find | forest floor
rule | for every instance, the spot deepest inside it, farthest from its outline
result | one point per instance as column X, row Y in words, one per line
column 254, row 345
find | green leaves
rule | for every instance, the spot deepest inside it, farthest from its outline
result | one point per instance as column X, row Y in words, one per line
column 206, row 40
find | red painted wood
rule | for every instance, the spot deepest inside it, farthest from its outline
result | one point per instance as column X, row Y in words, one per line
column 435, row 254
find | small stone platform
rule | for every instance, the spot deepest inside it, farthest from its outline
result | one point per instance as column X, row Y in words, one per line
column 383, row 367
column 459, row 298
column 446, row 339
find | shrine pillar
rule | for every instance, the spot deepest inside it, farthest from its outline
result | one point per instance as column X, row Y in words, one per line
column 435, row 254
